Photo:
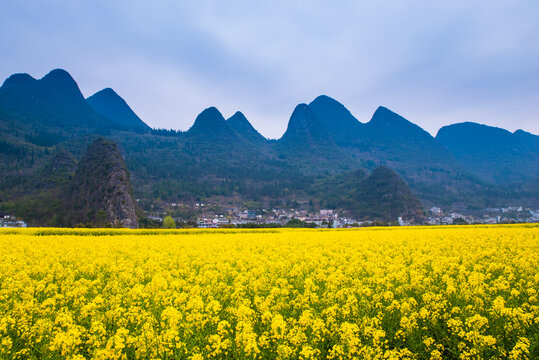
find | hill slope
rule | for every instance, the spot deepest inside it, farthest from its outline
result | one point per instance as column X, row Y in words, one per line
column 382, row 195
column 343, row 127
column 305, row 130
column 53, row 103
column 96, row 190
column 496, row 155
column 110, row 105
column 239, row 123
column 389, row 139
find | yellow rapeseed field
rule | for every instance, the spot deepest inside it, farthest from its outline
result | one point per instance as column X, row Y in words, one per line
column 379, row 293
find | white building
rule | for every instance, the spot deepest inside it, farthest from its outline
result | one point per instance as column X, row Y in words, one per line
column 9, row 221
column 220, row 221
column 403, row 222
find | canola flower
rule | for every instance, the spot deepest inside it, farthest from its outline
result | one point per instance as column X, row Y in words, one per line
column 379, row 293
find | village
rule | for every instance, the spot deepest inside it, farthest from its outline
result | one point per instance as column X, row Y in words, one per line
column 504, row 215
column 323, row 218
column 276, row 217
column 332, row 218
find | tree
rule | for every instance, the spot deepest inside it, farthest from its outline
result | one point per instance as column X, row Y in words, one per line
column 169, row 223
column 459, row 221
column 101, row 218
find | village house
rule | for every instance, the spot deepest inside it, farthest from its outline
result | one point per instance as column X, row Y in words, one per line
column 206, row 223
column 9, row 221
column 318, row 221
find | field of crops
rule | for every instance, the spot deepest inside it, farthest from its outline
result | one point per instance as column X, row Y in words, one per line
column 385, row 293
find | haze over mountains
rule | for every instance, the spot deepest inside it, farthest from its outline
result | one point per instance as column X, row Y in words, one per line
column 467, row 164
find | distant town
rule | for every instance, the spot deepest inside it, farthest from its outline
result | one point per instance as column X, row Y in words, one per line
column 323, row 218
column 209, row 217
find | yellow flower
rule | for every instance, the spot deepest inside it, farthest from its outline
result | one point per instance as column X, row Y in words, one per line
column 370, row 293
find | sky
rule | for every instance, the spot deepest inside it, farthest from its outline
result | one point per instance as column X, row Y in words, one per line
column 433, row 62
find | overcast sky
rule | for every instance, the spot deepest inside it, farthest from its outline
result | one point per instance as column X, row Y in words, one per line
column 433, row 62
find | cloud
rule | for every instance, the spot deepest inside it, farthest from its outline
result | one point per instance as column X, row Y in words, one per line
column 433, row 62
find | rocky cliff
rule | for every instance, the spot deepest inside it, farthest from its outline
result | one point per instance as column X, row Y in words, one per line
column 101, row 190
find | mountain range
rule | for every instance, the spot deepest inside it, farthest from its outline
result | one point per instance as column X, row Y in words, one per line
column 464, row 165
